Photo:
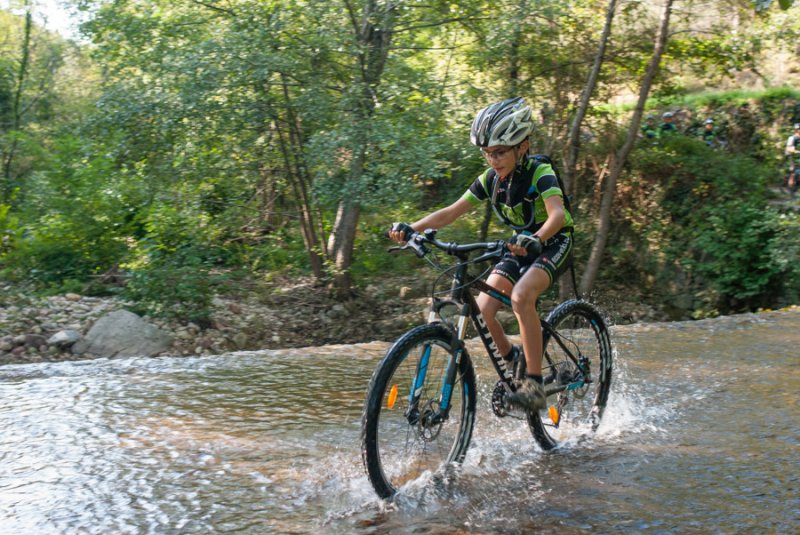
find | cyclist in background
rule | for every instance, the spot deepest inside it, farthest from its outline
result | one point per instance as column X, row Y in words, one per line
column 649, row 129
column 667, row 127
column 708, row 135
column 792, row 152
column 525, row 193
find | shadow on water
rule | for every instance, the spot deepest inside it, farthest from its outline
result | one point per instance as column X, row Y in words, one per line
column 701, row 434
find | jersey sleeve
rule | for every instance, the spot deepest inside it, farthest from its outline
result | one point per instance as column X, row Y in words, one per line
column 478, row 191
column 546, row 182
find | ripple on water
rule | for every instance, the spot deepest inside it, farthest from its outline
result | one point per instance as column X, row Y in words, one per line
column 701, row 429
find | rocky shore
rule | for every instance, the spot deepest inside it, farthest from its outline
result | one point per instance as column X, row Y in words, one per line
column 57, row 328
column 47, row 329
column 38, row 329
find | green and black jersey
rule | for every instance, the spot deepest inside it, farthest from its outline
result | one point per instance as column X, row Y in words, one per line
column 668, row 129
column 520, row 201
column 650, row 131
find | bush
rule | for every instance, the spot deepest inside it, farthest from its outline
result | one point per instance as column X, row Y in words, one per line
column 60, row 250
column 171, row 273
column 173, row 285
column 705, row 216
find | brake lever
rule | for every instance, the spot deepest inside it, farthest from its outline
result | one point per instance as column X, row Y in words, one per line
column 497, row 251
column 419, row 249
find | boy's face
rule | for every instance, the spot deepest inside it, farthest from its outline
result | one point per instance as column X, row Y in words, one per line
column 503, row 159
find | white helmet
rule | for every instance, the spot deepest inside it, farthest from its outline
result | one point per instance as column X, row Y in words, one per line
column 503, row 123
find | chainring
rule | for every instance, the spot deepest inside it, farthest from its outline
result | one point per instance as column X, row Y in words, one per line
column 498, row 400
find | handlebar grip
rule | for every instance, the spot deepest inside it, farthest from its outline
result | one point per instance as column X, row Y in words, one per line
column 405, row 228
column 533, row 244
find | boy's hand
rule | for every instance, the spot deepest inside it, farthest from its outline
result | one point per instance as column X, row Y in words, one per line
column 525, row 245
column 400, row 232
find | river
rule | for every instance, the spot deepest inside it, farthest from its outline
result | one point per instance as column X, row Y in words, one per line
column 702, row 435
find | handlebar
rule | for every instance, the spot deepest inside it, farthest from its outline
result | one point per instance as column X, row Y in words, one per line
column 418, row 240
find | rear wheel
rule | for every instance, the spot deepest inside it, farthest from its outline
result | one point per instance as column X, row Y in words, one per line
column 578, row 389
column 404, row 431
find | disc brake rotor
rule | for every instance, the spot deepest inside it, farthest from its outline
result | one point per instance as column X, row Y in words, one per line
column 427, row 429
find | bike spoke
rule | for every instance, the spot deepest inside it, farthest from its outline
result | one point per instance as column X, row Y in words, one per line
column 578, row 359
column 412, row 436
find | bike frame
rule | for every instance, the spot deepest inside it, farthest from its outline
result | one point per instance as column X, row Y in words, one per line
column 461, row 296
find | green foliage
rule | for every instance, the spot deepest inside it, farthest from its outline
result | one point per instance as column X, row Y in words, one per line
column 60, row 249
column 177, row 284
column 170, row 274
column 743, row 255
column 705, row 213
column 74, row 222
column 9, row 229
column 219, row 124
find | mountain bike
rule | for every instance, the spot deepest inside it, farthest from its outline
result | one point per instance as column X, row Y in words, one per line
column 421, row 401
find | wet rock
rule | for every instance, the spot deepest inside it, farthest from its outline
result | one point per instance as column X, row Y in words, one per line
column 123, row 334
column 240, row 339
column 35, row 340
column 64, row 338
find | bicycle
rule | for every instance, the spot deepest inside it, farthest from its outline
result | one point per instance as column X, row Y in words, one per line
column 421, row 401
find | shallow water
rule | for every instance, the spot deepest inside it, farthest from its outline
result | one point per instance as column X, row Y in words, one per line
column 702, row 434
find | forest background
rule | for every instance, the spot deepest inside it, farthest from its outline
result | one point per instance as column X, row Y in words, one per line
column 182, row 149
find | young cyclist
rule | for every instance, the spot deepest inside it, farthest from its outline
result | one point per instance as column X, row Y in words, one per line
column 793, row 155
column 708, row 135
column 668, row 127
column 525, row 193
column 649, row 129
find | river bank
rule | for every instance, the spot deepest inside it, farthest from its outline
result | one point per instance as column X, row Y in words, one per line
column 286, row 316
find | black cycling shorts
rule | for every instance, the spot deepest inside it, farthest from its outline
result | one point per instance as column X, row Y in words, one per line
column 554, row 260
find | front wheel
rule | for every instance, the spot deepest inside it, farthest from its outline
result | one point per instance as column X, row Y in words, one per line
column 577, row 372
column 406, row 429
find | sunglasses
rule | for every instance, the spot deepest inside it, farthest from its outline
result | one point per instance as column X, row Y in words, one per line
column 496, row 154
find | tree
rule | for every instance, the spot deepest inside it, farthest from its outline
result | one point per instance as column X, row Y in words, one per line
column 574, row 137
column 621, row 156
column 16, row 110
column 373, row 29
column 34, row 69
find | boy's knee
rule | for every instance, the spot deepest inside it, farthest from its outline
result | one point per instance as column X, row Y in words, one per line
column 520, row 298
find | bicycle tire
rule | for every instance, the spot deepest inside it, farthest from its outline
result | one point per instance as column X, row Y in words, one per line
column 582, row 328
column 395, row 450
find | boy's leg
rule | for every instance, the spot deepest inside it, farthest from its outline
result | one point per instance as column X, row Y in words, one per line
column 523, row 299
column 489, row 307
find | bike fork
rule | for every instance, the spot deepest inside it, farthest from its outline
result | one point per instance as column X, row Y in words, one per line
column 449, row 379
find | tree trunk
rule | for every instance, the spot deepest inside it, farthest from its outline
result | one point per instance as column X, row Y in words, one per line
column 574, row 139
column 294, row 173
column 618, row 162
column 16, row 111
column 374, row 35
column 566, row 285
column 340, row 247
